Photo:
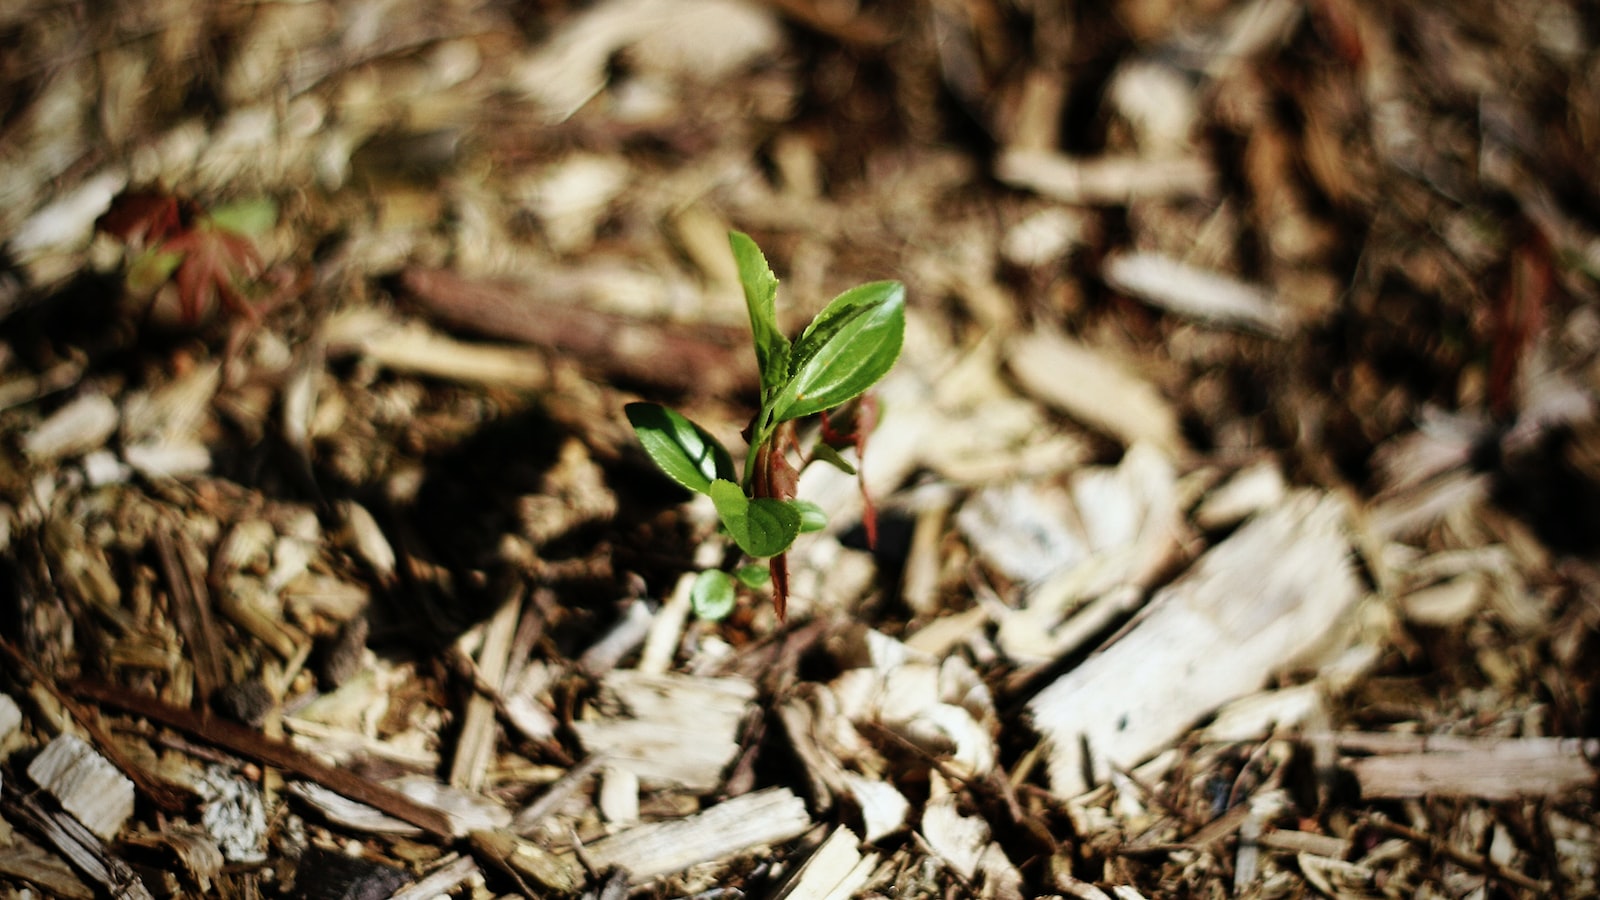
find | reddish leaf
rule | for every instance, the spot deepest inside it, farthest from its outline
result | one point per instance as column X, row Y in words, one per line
column 213, row 262
column 142, row 218
column 1519, row 313
column 859, row 422
column 778, row 479
column 779, row 567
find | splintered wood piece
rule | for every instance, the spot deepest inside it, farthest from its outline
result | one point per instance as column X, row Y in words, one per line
column 964, row 843
column 728, row 829
column 836, row 871
column 191, row 607
column 1261, row 600
column 188, row 852
column 77, row 844
column 533, row 815
column 527, row 860
column 85, row 784
column 465, row 811
column 1495, row 769
column 453, row 872
column 1096, row 389
column 479, row 727
column 252, row 744
column 29, row 862
column 669, row 729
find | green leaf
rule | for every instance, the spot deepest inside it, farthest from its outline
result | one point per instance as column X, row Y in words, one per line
column 712, row 595
column 687, row 453
column 761, row 527
column 754, row 575
column 812, row 518
column 827, row 454
column 845, row 350
column 150, row 270
column 248, row 217
column 760, row 294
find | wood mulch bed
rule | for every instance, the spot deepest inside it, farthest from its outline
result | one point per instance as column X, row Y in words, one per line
column 1237, row 485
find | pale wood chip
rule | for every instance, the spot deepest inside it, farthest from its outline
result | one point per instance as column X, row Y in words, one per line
column 526, row 859
column 85, row 784
column 728, row 829
column 836, row 871
column 480, row 729
column 1259, row 715
column 10, row 717
column 1105, row 180
column 574, row 64
column 84, row 424
column 1206, row 296
column 450, row 873
column 1248, row 491
column 619, row 796
column 465, row 812
column 412, row 347
column 1096, row 389
column 1491, row 770
column 669, row 729
column 1336, row 877
column 1255, row 603
column 964, row 844
column 1445, row 604
column 884, row 810
column 1290, row 841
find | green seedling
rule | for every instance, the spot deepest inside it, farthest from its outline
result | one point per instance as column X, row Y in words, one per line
column 208, row 255
column 824, row 372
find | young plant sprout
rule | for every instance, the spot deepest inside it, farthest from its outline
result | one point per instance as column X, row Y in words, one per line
column 845, row 350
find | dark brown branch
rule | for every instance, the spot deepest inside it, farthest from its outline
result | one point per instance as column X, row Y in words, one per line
column 252, row 744
column 709, row 359
column 164, row 794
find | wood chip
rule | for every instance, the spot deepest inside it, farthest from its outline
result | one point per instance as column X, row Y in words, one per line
column 1492, row 770
column 1105, row 180
column 82, row 425
column 85, row 784
column 412, row 347
column 29, row 862
column 77, row 844
column 479, row 727
column 836, row 871
column 1096, row 389
column 1209, row 297
column 454, row 871
column 1254, row 604
column 669, row 729
column 728, row 829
